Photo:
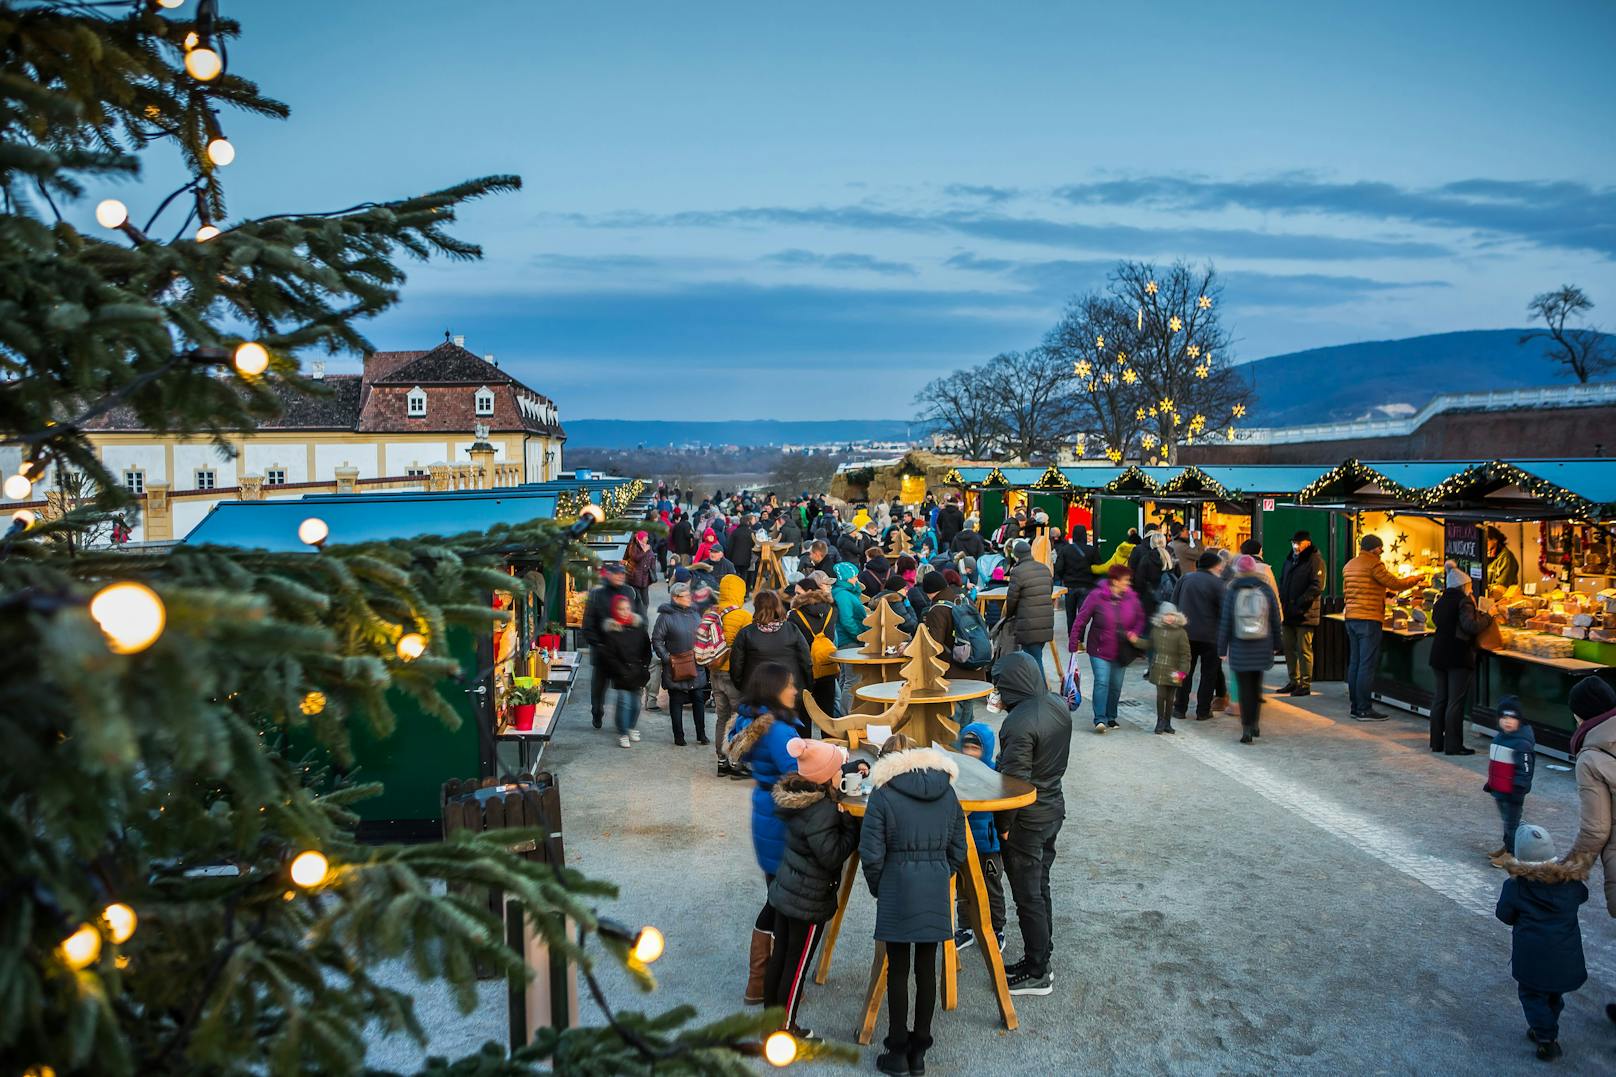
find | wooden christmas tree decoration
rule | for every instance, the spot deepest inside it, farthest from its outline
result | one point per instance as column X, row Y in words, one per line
column 926, row 670
column 895, row 542
column 882, row 629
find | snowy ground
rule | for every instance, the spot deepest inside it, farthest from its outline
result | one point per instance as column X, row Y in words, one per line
column 1319, row 902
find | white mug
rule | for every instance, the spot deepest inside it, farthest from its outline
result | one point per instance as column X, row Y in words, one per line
column 852, row 782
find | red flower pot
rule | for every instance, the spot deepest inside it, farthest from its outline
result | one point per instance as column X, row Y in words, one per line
column 522, row 715
column 549, row 643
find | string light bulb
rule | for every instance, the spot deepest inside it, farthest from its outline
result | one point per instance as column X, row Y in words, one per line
column 131, row 615
column 411, row 645
column 18, row 487
column 170, row 4
column 81, row 948
column 192, row 40
column 23, row 519
column 205, row 233
column 221, row 152
column 121, row 921
column 312, row 703
column 313, row 532
column 252, row 358
column 203, row 63
column 780, row 1049
column 648, row 945
column 111, row 213
column 309, row 869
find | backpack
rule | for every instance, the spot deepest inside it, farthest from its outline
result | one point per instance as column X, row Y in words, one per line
column 973, row 647
column 1251, row 614
column 710, row 642
column 820, row 648
column 1168, row 587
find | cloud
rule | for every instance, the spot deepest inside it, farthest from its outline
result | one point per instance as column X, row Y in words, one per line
column 982, row 191
column 1558, row 214
column 1124, row 240
column 843, row 261
column 594, row 263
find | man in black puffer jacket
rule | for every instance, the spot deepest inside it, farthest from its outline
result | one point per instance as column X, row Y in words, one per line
column 1030, row 602
column 1035, row 742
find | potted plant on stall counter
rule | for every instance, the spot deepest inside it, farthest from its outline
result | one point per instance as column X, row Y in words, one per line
column 524, row 701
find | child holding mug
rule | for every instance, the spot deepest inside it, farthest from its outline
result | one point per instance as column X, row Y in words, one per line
column 819, row 839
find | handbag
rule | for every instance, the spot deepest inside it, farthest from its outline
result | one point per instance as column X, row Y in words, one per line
column 1489, row 638
column 1072, row 687
column 1127, row 653
column 683, row 665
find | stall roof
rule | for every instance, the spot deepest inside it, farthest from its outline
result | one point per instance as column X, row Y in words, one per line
column 969, row 476
column 272, row 525
column 1253, row 479
column 1090, row 476
column 1592, row 479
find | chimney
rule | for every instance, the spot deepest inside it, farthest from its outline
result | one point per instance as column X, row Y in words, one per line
column 317, row 370
column 460, row 342
column 490, row 360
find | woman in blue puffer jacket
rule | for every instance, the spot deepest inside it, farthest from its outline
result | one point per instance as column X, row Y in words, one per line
column 765, row 722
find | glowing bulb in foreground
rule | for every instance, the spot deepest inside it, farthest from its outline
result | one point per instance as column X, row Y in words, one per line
column 130, row 614
column 203, row 64
column 111, row 213
column 313, row 703
column 313, row 531
column 221, row 152
column 205, row 233
column 411, row 645
column 170, row 3
column 593, row 511
column 17, row 487
column 81, row 948
column 252, row 358
column 121, row 921
column 780, row 1049
column 310, row 869
column 649, row 945
column 23, row 518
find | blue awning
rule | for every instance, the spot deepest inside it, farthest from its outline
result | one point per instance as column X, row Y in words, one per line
column 272, row 525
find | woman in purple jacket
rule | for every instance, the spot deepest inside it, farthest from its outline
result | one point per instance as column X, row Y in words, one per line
column 1111, row 614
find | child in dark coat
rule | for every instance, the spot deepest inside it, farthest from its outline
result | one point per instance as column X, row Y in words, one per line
column 912, row 844
column 1169, row 661
column 625, row 654
column 1509, row 768
column 977, row 741
column 1540, row 900
column 819, row 839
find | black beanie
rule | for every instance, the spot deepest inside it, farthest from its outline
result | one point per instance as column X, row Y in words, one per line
column 1591, row 697
column 1208, row 559
column 932, row 582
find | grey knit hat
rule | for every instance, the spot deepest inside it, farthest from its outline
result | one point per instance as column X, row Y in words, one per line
column 1533, row 844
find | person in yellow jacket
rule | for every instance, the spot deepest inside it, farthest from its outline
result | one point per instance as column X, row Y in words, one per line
column 1364, row 584
column 1120, row 557
column 734, row 616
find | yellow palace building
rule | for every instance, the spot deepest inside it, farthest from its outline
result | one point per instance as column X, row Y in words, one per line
column 443, row 419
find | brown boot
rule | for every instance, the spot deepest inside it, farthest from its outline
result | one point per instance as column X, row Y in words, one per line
column 1220, row 704
column 762, row 946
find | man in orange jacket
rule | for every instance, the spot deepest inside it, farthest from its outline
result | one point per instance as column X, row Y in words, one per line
column 1365, row 584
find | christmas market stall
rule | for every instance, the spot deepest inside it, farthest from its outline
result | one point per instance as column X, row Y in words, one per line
column 512, row 682
column 1535, row 537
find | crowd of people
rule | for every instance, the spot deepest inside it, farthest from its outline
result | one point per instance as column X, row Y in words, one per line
column 754, row 657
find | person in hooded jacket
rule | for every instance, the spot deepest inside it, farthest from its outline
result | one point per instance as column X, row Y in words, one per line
column 976, row 740
column 1593, row 746
column 1035, row 742
column 1301, row 592
column 597, row 611
column 1539, row 901
column 968, row 542
column 765, row 724
column 819, row 839
column 732, row 616
column 740, row 548
column 1148, row 562
column 681, row 538
column 1075, row 559
column 1510, row 762
column 911, row 845
column 950, row 522
column 625, row 655
column 1249, row 658
column 675, row 635
column 1030, row 601
column 876, row 572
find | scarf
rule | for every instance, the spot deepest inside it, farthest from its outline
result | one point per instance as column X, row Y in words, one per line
column 1588, row 727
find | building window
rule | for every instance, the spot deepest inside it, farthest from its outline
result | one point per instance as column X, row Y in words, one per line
column 417, row 399
column 275, row 476
column 485, row 401
column 205, row 478
column 415, row 473
column 134, row 480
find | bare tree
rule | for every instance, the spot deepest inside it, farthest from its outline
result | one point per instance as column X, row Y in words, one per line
column 1584, row 350
column 1092, row 341
column 1180, row 353
column 958, row 408
column 799, row 472
column 1033, row 393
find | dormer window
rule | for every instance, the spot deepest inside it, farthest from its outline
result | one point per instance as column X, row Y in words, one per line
column 417, row 402
column 485, row 401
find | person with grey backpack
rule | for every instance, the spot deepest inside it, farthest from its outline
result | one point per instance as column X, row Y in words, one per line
column 1249, row 636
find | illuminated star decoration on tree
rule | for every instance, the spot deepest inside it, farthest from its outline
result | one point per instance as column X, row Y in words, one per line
column 1083, row 368
column 1203, row 370
column 1175, row 324
column 1239, row 411
column 1129, row 376
column 1114, row 455
column 1150, row 287
column 1205, row 302
column 1231, row 433
column 1140, row 413
column 1148, row 440
column 1099, row 341
column 1193, row 351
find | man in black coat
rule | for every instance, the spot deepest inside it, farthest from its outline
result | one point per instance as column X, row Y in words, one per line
column 1035, row 742
column 741, row 541
column 1301, row 587
column 950, row 522
column 1074, row 568
column 968, row 543
column 681, row 538
column 1199, row 598
column 598, row 607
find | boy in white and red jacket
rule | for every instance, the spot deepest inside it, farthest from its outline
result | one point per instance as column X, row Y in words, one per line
column 1509, row 768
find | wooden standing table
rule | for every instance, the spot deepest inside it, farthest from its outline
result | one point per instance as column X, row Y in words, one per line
column 979, row 788
column 930, row 715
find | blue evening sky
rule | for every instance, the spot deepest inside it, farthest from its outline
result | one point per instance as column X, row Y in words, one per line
column 807, row 210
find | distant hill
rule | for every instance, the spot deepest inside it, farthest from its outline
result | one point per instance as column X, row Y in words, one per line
column 1387, row 378
column 628, row 433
